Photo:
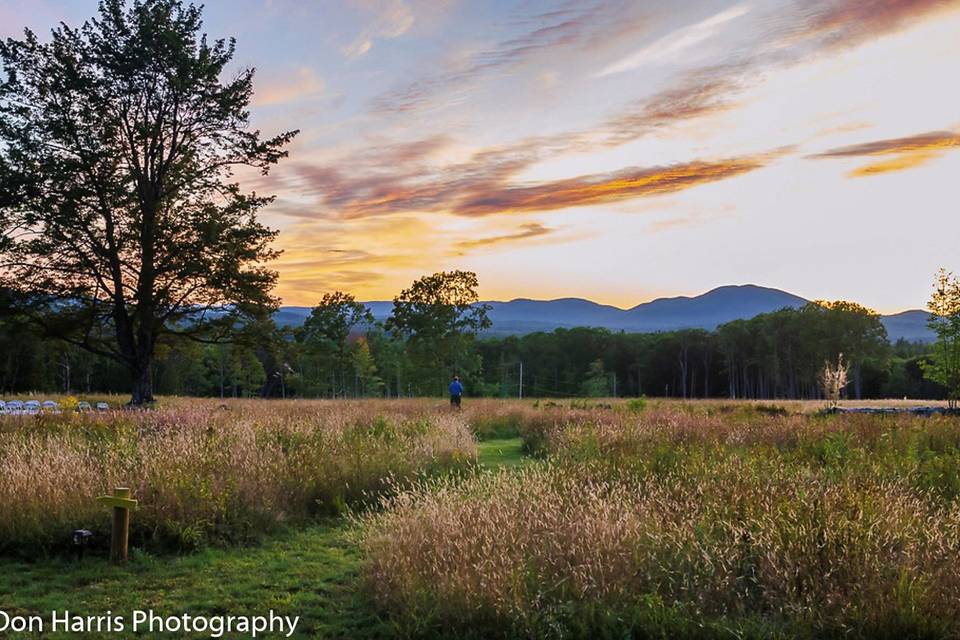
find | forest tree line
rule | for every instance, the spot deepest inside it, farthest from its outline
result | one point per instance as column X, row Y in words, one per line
column 437, row 329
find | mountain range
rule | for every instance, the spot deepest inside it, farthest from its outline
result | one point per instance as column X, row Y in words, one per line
column 705, row 311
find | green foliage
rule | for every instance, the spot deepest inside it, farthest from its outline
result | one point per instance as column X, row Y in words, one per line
column 442, row 305
column 772, row 356
column 365, row 368
column 328, row 361
column 780, row 354
column 944, row 364
column 597, row 382
column 489, row 426
column 232, row 370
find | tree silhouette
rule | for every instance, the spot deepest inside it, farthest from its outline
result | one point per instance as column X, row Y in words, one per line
column 120, row 223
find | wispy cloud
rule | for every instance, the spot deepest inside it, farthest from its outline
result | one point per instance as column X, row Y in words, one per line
column 907, row 153
column 801, row 32
column 699, row 94
column 934, row 140
column 842, row 23
column 527, row 231
column 675, row 43
column 396, row 179
column 692, row 219
column 300, row 84
column 390, row 19
column 908, row 160
column 546, row 34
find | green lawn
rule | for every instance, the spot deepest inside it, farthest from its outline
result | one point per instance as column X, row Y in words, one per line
column 502, row 454
column 310, row 572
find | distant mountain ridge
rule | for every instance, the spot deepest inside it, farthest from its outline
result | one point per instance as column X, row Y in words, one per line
column 706, row 311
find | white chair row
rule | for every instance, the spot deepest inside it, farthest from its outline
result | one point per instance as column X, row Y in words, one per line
column 35, row 407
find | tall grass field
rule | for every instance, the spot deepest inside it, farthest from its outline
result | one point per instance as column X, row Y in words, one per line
column 508, row 519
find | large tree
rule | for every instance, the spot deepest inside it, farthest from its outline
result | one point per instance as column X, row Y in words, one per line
column 944, row 364
column 440, row 316
column 326, row 333
column 855, row 331
column 121, row 222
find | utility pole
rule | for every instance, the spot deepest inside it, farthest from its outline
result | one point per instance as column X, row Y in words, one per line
column 521, row 379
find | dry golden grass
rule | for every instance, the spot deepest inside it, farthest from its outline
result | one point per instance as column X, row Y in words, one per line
column 206, row 470
column 687, row 520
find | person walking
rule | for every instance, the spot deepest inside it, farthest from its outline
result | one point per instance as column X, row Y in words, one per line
column 456, row 392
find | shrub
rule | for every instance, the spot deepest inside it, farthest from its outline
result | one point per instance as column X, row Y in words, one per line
column 636, row 405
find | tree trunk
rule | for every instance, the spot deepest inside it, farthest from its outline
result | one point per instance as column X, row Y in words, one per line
column 682, row 358
column 707, row 360
column 142, row 386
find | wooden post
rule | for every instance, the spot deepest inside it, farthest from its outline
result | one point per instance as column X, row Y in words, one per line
column 120, row 536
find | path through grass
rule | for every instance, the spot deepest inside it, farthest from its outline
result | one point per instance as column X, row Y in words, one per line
column 502, row 454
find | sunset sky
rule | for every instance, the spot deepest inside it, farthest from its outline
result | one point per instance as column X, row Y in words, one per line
column 616, row 151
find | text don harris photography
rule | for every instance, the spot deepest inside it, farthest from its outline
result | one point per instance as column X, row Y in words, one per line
column 270, row 624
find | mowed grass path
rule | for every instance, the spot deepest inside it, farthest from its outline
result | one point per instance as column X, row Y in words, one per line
column 311, row 572
column 502, row 454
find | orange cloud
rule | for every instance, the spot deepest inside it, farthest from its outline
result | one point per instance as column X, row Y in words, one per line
column 908, row 152
column 623, row 185
column 484, row 185
column 935, row 140
column 905, row 161
column 850, row 22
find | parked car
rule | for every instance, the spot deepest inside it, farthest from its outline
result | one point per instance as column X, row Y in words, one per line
column 3, row 408
column 31, row 407
column 15, row 408
column 84, row 406
column 49, row 406
column 103, row 406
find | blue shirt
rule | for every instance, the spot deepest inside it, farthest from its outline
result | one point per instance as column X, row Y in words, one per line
column 456, row 389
